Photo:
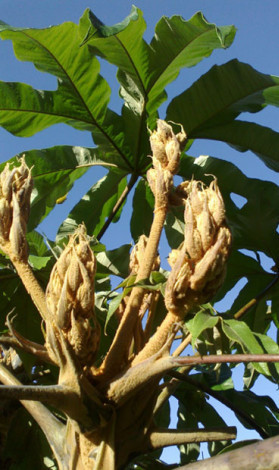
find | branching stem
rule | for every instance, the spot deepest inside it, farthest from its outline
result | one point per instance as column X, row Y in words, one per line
column 159, row 339
column 117, row 353
column 53, row 429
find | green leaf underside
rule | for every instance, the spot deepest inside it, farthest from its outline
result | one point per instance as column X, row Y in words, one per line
column 239, row 332
column 114, row 261
column 243, row 136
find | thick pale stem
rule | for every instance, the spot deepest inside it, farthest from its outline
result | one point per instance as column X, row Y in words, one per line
column 31, row 285
column 54, row 394
column 117, row 354
column 261, row 455
column 170, row 437
column 159, row 339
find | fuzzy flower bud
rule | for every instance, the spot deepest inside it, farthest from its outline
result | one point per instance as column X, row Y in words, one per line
column 70, row 297
column 166, row 147
column 15, row 191
column 199, row 264
column 137, row 256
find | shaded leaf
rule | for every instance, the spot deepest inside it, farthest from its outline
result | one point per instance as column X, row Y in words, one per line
column 261, row 410
column 54, row 171
column 25, row 436
column 244, row 136
column 114, row 261
column 95, row 206
column 142, row 215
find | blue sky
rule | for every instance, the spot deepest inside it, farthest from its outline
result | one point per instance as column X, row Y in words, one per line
column 256, row 43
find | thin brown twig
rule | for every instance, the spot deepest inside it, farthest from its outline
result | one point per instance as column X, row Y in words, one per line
column 183, row 345
column 256, row 299
column 226, row 358
column 178, row 377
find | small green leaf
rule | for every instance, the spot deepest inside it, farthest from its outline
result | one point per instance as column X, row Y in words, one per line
column 39, row 262
column 201, row 321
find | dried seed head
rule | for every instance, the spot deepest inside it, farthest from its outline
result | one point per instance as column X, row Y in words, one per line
column 198, row 266
column 70, row 297
column 15, row 191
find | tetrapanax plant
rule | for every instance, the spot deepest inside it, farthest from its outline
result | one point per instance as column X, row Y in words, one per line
column 105, row 361
column 72, row 331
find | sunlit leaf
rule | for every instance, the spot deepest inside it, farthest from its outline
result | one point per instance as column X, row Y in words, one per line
column 200, row 322
column 229, row 90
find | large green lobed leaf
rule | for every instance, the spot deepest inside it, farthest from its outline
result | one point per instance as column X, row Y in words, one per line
column 176, row 44
column 81, row 97
column 209, row 108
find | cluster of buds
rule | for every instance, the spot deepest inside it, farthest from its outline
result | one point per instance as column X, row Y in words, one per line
column 15, row 191
column 70, row 298
column 166, row 151
column 199, row 264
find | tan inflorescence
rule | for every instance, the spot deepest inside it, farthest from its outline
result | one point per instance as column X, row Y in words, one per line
column 199, row 264
column 137, row 256
column 70, row 297
column 15, row 191
column 166, row 151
